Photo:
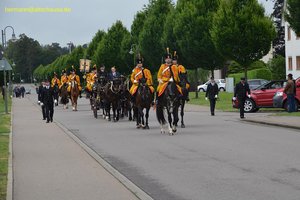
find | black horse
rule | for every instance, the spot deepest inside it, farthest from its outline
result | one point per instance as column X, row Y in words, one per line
column 99, row 96
column 126, row 104
column 143, row 100
column 56, row 94
column 168, row 101
column 112, row 99
column 182, row 98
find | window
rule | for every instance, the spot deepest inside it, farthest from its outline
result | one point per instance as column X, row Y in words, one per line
column 289, row 33
column 290, row 63
column 298, row 62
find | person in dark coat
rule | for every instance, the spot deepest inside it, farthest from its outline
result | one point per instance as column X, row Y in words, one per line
column 22, row 89
column 241, row 92
column 48, row 101
column 40, row 90
column 113, row 74
column 102, row 72
column 212, row 93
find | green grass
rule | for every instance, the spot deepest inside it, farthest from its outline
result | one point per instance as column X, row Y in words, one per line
column 293, row 114
column 5, row 120
column 224, row 102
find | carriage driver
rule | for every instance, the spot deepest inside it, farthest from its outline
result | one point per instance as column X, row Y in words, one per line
column 74, row 76
column 55, row 81
column 64, row 78
column 91, row 78
column 164, row 75
column 140, row 72
column 181, row 70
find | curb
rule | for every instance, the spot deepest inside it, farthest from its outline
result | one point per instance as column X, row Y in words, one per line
column 138, row 192
column 272, row 124
column 10, row 177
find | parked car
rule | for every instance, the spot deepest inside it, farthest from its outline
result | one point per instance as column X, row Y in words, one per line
column 221, row 84
column 280, row 98
column 262, row 96
column 255, row 83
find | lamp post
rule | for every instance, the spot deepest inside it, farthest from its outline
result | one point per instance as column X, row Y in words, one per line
column 4, row 44
column 132, row 51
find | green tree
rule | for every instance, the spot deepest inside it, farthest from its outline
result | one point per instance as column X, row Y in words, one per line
column 109, row 49
column 150, row 38
column 277, row 67
column 242, row 32
column 293, row 15
column 92, row 47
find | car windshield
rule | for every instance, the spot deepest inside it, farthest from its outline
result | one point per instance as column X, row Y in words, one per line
column 262, row 86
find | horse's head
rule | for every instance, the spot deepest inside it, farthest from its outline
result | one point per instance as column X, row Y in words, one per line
column 102, row 80
column 143, row 89
column 116, row 85
column 183, row 79
column 171, row 95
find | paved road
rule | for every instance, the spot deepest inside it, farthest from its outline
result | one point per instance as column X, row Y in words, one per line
column 217, row 157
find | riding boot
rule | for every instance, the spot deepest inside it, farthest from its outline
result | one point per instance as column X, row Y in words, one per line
column 80, row 94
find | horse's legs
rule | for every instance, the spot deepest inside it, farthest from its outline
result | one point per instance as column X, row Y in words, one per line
column 138, row 117
column 147, row 116
column 170, row 122
column 182, row 114
column 142, row 117
column 175, row 118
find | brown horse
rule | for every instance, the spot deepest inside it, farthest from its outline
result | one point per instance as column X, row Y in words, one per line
column 64, row 95
column 74, row 94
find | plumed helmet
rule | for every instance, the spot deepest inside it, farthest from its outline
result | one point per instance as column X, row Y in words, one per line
column 168, row 55
column 139, row 59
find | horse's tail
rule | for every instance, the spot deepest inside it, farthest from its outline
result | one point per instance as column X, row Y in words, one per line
column 160, row 114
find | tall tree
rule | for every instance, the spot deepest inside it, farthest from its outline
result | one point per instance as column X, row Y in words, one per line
column 92, row 47
column 108, row 51
column 242, row 32
column 293, row 15
column 192, row 21
column 152, row 32
column 277, row 15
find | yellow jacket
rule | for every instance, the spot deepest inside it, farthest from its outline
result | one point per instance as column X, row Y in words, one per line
column 90, row 80
column 55, row 81
column 164, row 75
column 64, row 79
column 76, row 78
column 136, row 75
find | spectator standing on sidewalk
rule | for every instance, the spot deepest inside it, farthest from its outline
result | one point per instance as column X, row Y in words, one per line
column 48, row 101
column 212, row 92
column 290, row 91
column 22, row 89
column 240, row 93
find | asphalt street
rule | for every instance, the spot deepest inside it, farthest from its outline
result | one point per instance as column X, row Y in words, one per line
column 214, row 158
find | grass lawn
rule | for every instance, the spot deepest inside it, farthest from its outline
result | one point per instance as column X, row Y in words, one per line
column 294, row 114
column 223, row 103
column 4, row 143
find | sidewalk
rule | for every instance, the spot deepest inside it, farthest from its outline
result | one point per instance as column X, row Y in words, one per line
column 49, row 165
column 281, row 121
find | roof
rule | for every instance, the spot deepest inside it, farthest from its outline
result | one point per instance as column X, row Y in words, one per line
column 4, row 65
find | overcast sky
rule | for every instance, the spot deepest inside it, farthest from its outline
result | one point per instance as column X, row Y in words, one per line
column 79, row 25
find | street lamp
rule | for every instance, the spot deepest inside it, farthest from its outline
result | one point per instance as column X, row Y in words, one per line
column 13, row 36
column 133, row 50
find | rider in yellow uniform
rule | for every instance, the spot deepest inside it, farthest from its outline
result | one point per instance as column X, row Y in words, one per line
column 91, row 78
column 74, row 76
column 165, row 75
column 64, row 78
column 140, row 72
column 181, row 70
column 55, row 81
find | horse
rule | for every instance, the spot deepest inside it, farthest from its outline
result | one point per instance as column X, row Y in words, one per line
column 56, row 94
column 99, row 96
column 182, row 98
column 64, row 95
column 168, row 101
column 112, row 99
column 143, row 100
column 126, row 104
column 74, row 94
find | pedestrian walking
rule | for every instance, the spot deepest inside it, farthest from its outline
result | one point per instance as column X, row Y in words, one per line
column 40, row 90
column 22, row 90
column 241, row 92
column 212, row 93
column 48, row 101
column 290, row 91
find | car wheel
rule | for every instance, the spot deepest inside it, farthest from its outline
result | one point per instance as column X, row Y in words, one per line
column 221, row 89
column 249, row 106
column 201, row 90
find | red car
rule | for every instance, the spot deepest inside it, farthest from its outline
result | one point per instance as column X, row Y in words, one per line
column 262, row 96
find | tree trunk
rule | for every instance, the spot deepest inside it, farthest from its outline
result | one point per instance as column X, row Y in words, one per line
column 246, row 71
column 196, row 73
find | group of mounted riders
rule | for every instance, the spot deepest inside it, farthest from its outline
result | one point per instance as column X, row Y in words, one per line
column 114, row 91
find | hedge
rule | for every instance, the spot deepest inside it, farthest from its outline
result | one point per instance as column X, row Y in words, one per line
column 253, row 74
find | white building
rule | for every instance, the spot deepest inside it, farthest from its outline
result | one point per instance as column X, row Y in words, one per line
column 292, row 51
